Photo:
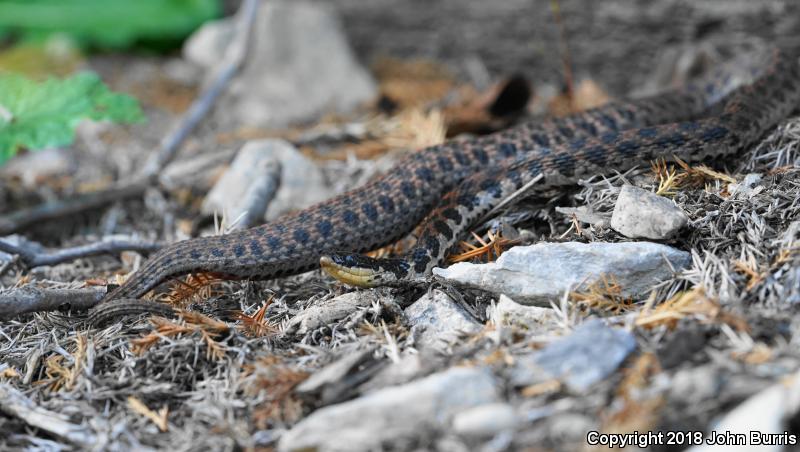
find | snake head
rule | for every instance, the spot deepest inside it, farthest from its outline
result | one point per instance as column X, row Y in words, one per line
column 363, row 271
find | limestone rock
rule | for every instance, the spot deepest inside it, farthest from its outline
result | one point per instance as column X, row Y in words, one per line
column 541, row 272
column 639, row 213
column 439, row 320
column 392, row 413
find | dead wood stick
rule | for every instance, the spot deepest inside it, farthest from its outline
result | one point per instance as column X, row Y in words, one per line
column 14, row 403
column 57, row 209
column 34, row 299
column 259, row 194
column 30, row 258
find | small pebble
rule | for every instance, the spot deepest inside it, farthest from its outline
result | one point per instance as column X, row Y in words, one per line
column 641, row 214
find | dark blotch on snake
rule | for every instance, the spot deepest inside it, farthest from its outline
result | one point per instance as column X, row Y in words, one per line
column 452, row 214
column 408, row 189
column 301, row 235
column 370, row 211
column 350, row 217
column 325, row 228
column 255, row 248
column 442, row 228
column 386, row 203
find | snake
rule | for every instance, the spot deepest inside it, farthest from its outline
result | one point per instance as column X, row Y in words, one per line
column 443, row 190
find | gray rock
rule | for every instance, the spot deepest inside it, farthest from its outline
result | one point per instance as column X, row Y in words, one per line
column 438, row 320
column 639, row 213
column 485, row 420
column 392, row 413
column 301, row 182
column 329, row 311
column 509, row 312
column 588, row 355
column 206, row 46
column 541, row 272
column 299, row 67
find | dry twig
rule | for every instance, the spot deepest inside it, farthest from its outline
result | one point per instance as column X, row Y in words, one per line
column 33, row 299
column 14, row 403
column 31, row 258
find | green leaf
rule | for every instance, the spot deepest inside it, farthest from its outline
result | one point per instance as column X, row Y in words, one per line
column 109, row 23
column 37, row 115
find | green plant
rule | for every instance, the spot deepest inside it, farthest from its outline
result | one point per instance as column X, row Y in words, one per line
column 36, row 115
column 106, row 23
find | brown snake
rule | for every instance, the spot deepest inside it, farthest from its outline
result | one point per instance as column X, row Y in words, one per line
column 455, row 184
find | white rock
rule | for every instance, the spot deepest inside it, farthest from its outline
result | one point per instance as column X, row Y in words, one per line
column 509, row 312
column 392, row 413
column 301, row 184
column 588, row 355
column 206, row 46
column 541, row 272
column 766, row 413
column 299, row 67
column 639, row 213
column 439, row 320
column 485, row 420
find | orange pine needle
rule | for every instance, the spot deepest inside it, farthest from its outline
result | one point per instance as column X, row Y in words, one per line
column 255, row 325
column 491, row 249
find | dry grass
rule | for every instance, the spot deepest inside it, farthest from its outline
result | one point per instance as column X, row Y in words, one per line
column 692, row 303
column 670, row 179
column 604, row 294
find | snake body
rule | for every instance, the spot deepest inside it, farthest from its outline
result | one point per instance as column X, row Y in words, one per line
column 456, row 183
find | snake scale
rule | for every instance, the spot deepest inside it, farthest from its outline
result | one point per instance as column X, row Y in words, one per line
column 448, row 187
